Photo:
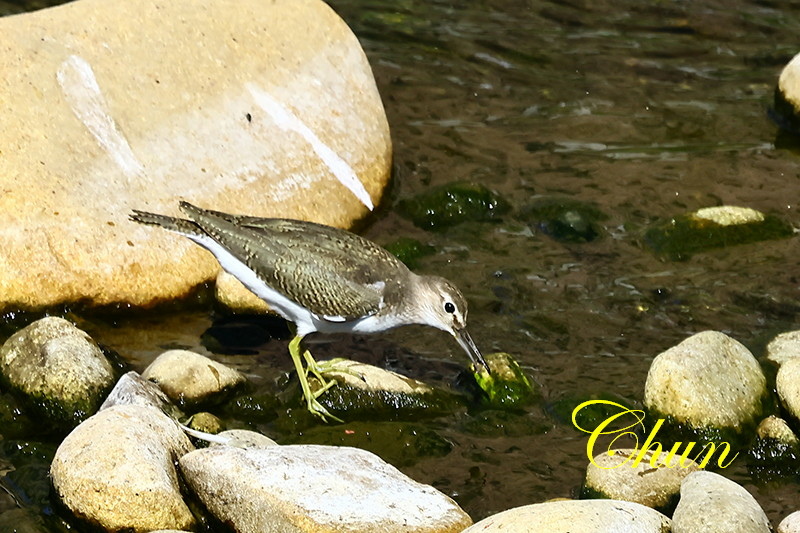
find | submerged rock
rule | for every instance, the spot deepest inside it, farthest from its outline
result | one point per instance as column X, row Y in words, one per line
column 409, row 250
column 776, row 451
column 709, row 383
column 711, row 502
column 576, row 516
column 315, row 488
column 506, row 385
column 678, row 238
column 366, row 390
column 615, row 477
column 244, row 110
column 189, row 378
column 566, row 219
column 453, row 203
column 57, row 368
column 117, row 470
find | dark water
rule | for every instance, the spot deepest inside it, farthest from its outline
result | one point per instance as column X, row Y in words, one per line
column 646, row 110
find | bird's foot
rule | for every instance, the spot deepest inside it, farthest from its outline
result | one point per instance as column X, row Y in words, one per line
column 314, row 406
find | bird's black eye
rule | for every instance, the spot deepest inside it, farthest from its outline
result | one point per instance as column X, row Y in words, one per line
column 449, row 307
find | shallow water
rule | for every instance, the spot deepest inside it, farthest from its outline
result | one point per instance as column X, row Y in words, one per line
column 646, row 110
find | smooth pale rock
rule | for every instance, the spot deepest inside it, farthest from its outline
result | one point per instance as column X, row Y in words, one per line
column 784, row 347
column 190, row 378
column 315, row 488
column 116, row 470
column 789, row 83
column 576, row 516
column 711, row 502
column 263, row 108
column 614, row 477
column 776, row 428
column 58, row 368
column 708, row 380
column 133, row 389
column 788, row 385
column 790, row 524
column 242, row 438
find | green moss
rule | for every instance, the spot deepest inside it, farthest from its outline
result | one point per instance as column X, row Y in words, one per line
column 566, row 219
column 507, row 385
column 452, row 204
column 677, row 239
column 409, row 250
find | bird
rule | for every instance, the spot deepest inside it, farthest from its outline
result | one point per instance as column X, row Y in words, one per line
column 322, row 279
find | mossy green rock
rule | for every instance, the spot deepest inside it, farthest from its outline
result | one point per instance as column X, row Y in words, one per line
column 506, row 385
column 366, row 391
column 452, row 204
column 409, row 250
column 677, row 239
column 565, row 219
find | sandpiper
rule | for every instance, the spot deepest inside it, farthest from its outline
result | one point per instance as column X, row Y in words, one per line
column 323, row 279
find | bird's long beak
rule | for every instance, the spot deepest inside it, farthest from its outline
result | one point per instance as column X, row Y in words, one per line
column 463, row 338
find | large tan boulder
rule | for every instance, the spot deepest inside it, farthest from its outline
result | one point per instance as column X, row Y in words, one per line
column 245, row 106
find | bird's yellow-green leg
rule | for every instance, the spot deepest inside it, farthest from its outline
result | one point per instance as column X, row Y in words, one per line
column 313, row 405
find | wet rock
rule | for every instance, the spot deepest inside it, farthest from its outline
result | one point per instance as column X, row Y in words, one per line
column 409, row 250
column 116, row 470
column 787, row 97
column 133, row 389
column 711, row 502
column 366, row 390
column 189, row 378
column 315, row 488
column 776, row 428
column 58, row 369
column 651, row 482
column 576, row 516
column 692, row 383
column 453, row 203
column 205, row 422
column 566, row 219
column 506, row 385
column 243, row 110
column 237, row 298
column 788, row 385
column 790, row 524
column 678, row 238
column 784, row 347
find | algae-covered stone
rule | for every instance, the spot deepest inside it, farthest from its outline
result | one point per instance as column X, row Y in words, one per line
column 189, row 378
column 711, row 502
column 679, row 238
column 506, row 385
column 576, row 516
column 787, row 97
column 57, row 368
column 309, row 488
column 452, row 204
column 709, row 383
column 366, row 390
column 622, row 476
column 205, row 422
column 776, row 451
column 566, row 219
column 409, row 250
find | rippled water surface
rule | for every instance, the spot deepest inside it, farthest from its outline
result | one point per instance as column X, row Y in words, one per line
column 644, row 109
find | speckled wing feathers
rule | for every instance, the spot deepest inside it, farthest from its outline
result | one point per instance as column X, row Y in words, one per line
column 331, row 272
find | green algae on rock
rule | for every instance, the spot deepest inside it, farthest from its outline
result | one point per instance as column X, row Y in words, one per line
column 566, row 219
column 366, row 391
column 507, row 385
column 409, row 250
column 453, row 203
column 679, row 238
